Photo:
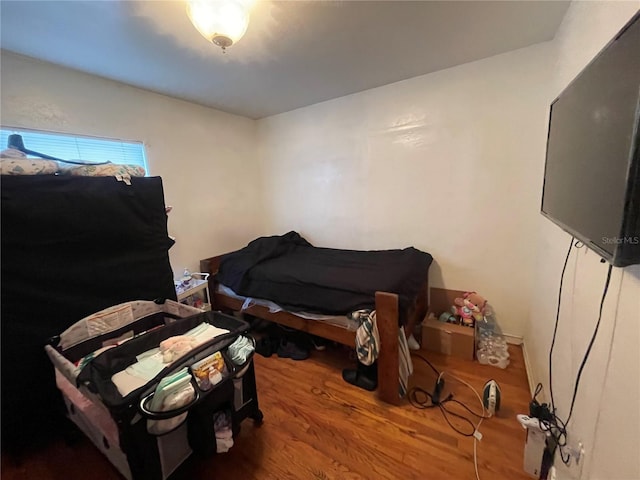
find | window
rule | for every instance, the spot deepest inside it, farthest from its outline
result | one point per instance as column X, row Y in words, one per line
column 71, row 147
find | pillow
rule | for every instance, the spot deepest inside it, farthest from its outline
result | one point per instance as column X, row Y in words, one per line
column 27, row 166
column 107, row 170
column 12, row 153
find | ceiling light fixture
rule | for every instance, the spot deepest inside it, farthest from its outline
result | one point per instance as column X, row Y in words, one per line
column 222, row 22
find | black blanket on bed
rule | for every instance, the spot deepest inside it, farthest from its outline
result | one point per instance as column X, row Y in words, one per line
column 291, row 272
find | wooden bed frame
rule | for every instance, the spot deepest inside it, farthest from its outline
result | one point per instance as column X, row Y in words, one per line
column 387, row 317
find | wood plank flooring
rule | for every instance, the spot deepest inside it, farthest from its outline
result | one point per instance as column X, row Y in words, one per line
column 318, row 427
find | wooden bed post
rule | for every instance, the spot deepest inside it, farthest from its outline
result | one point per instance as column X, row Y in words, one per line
column 387, row 312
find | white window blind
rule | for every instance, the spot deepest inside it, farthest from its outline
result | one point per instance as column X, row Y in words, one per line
column 70, row 147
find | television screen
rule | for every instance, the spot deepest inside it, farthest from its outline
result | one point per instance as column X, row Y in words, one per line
column 591, row 174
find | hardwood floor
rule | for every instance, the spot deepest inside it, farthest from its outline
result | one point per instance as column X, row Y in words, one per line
column 318, row 427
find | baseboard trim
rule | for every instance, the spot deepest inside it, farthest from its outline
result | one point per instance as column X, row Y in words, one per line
column 528, row 369
column 513, row 339
column 518, row 340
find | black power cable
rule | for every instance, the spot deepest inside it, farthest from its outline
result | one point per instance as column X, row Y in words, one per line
column 554, row 424
column 414, row 354
column 427, row 401
column 593, row 338
column 422, row 399
column 555, row 328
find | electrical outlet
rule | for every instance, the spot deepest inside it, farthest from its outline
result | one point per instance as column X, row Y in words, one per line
column 580, row 458
column 576, row 454
column 579, row 455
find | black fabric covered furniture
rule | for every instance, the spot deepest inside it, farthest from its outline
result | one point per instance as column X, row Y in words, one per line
column 71, row 246
column 291, row 272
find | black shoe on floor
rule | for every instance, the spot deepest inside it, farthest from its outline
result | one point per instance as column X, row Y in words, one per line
column 265, row 347
column 365, row 376
column 288, row 349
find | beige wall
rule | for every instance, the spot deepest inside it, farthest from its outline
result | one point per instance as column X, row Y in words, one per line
column 205, row 157
column 449, row 162
column 606, row 415
column 444, row 162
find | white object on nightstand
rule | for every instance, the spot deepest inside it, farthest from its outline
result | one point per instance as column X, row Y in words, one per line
column 195, row 286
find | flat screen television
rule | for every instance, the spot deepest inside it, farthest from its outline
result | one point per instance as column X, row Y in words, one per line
column 591, row 178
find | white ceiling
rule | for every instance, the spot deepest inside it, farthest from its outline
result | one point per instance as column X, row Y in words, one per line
column 295, row 53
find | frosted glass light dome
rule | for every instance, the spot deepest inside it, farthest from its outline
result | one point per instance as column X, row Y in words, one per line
column 222, row 22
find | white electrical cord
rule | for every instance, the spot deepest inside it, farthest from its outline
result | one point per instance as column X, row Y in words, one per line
column 475, row 452
column 476, row 435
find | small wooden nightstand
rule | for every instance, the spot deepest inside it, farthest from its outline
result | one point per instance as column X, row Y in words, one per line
column 195, row 292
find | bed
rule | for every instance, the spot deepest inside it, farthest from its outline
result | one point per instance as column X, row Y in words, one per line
column 290, row 272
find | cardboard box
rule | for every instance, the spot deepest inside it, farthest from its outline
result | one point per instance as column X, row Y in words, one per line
column 446, row 338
